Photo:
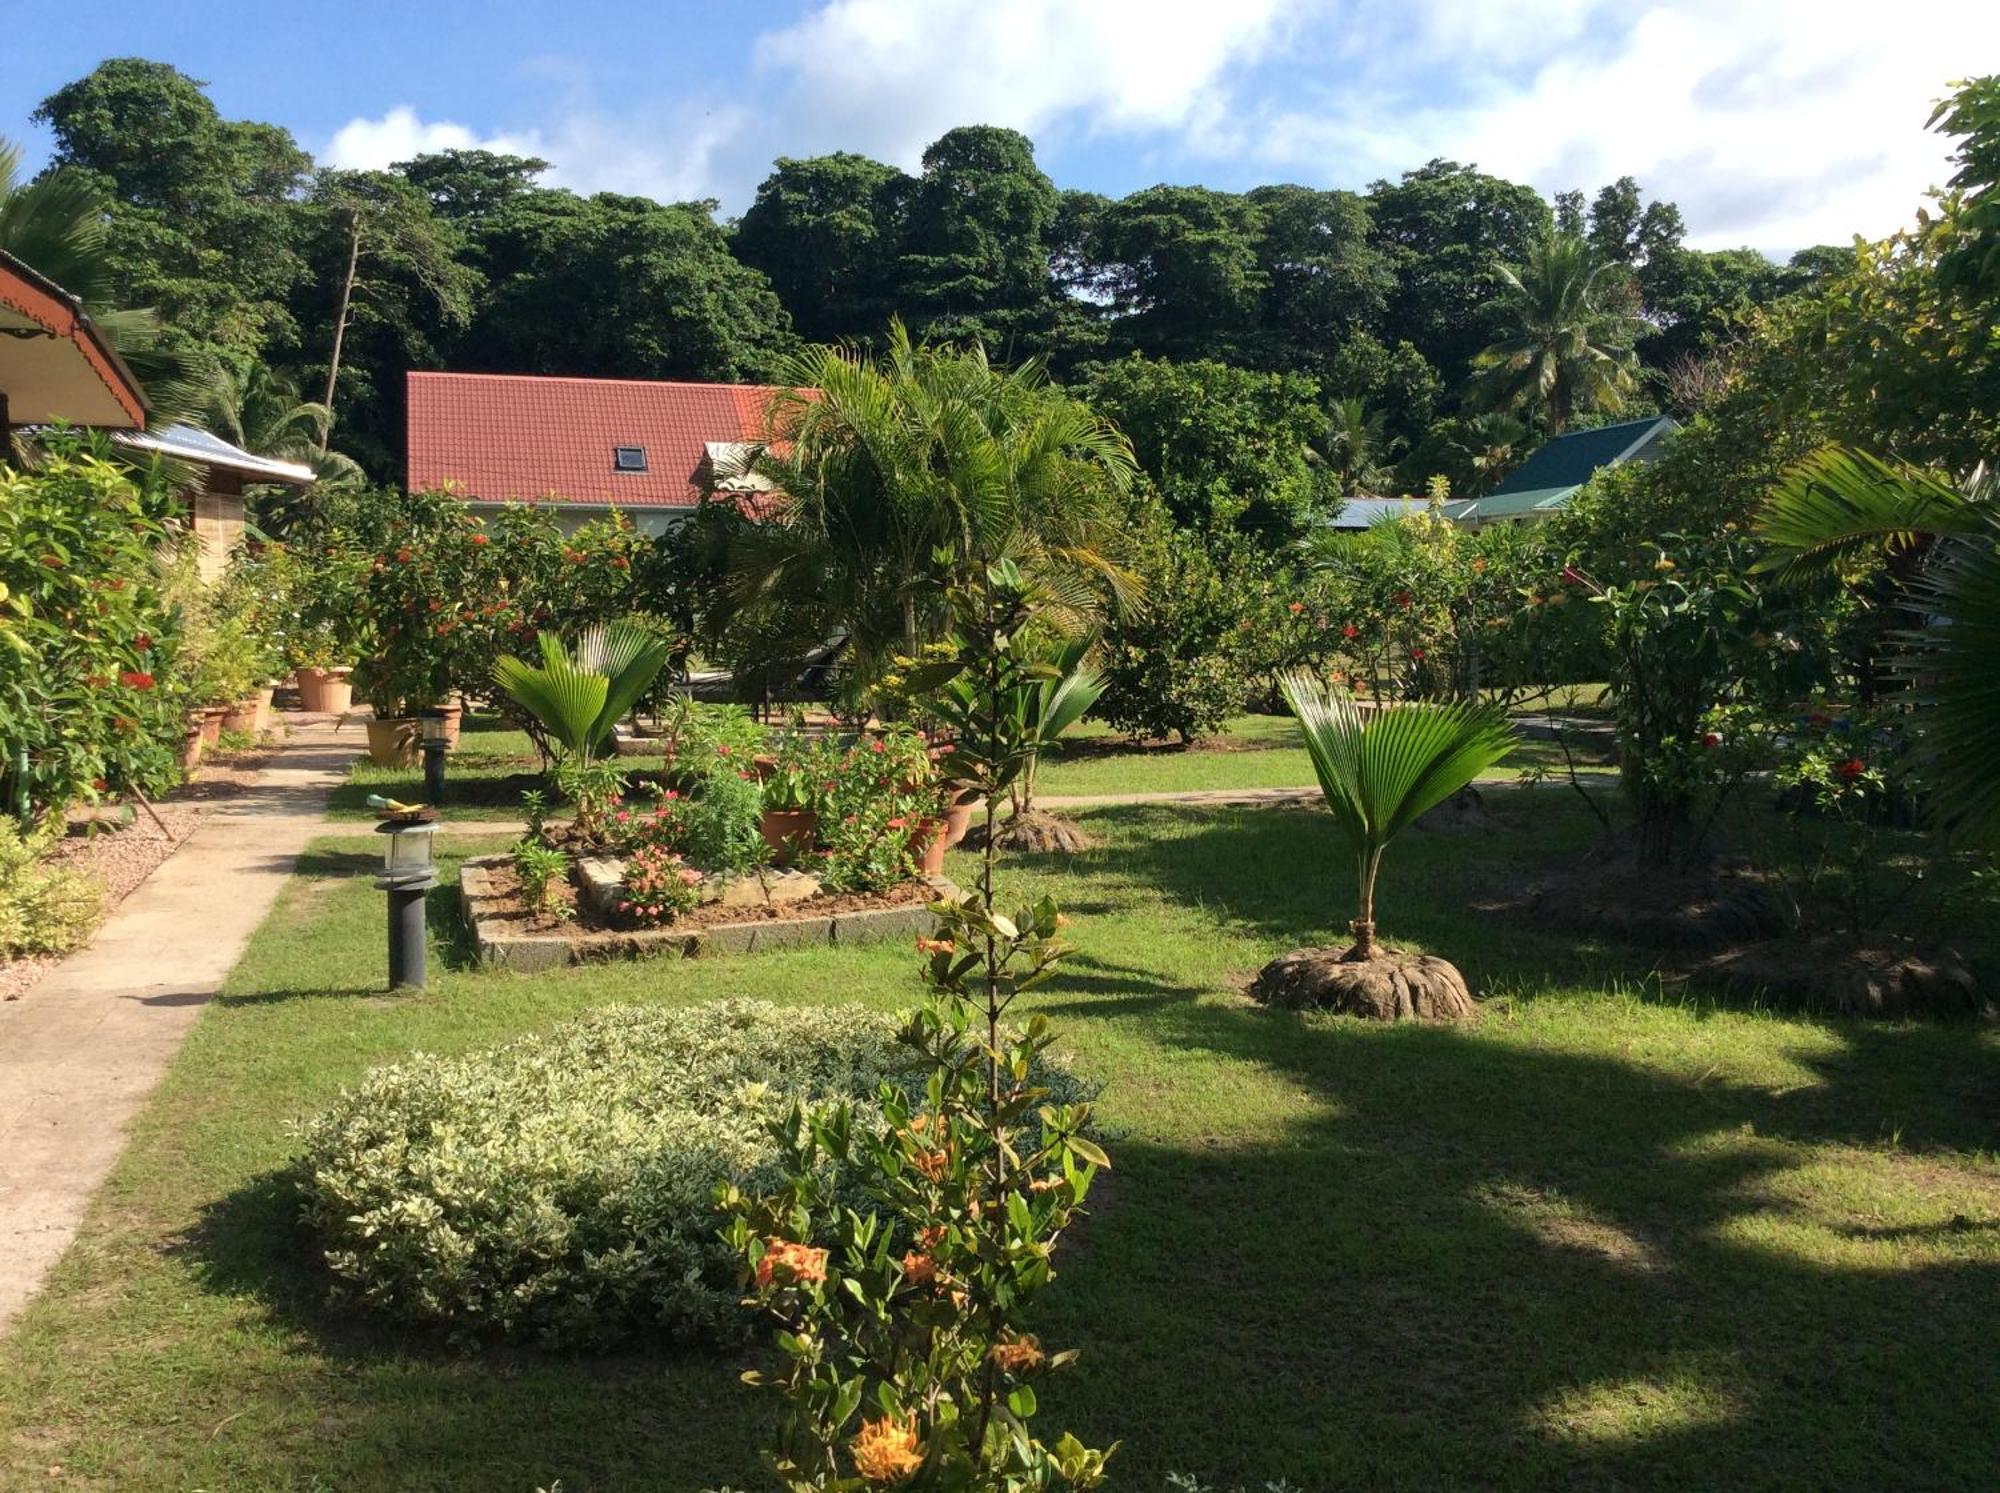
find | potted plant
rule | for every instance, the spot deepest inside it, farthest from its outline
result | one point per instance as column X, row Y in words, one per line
column 794, row 787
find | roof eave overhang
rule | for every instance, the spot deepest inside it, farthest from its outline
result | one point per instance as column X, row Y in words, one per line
column 60, row 317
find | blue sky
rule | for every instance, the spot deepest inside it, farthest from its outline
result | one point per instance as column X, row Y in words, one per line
column 1775, row 123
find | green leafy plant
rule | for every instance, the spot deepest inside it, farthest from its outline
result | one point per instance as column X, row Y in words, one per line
column 578, row 694
column 541, row 869
column 1379, row 772
column 904, row 1248
column 44, row 909
column 719, row 828
column 560, row 1189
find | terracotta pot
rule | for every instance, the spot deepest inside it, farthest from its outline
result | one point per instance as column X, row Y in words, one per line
column 453, row 711
column 789, row 831
column 928, row 844
column 393, row 743
column 241, row 716
column 211, row 724
column 958, row 820
column 337, row 694
column 191, row 745
column 764, row 767
column 312, row 687
column 263, row 699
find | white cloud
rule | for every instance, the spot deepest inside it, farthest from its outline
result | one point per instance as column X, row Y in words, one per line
column 1777, row 123
column 401, row 135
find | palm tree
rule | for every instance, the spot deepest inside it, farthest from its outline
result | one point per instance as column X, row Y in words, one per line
column 1563, row 352
column 1357, row 447
column 901, row 477
column 577, row 695
column 258, row 409
column 1841, row 510
column 56, row 226
column 1378, row 773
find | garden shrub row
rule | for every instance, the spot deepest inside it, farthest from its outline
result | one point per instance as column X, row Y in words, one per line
column 559, row 1189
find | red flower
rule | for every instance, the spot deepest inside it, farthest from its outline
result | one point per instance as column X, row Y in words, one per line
column 481, row 540
column 1296, row 607
column 402, row 557
column 1852, row 768
column 143, row 641
column 136, row 678
column 878, row 745
column 1403, row 600
column 619, row 562
column 1710, row 739
column 1416, row 655
column 99, row 784
column 1572, row 575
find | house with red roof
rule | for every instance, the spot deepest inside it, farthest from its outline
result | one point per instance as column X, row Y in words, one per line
column 653, row 449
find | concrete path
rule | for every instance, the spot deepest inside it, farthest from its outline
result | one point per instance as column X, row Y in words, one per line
column 80, row 1053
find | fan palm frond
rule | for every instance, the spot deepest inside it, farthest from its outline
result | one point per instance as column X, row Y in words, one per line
column 1953, row 665
column 1380, row 772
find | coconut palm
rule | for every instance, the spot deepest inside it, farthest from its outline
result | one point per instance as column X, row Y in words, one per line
column 1839, row 510
column 1563, row 352
column 1379, row 772
column 260, row 410
column 57, row 227
column 1357, row 447
column 900, row 477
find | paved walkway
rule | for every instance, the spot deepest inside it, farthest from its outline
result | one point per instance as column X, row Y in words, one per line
column 80, row 1054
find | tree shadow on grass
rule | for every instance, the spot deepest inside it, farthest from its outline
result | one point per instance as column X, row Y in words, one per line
column 1481, row 1265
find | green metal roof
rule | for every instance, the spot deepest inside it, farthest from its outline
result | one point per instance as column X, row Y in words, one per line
column 1511, row 504
column 1569, row 461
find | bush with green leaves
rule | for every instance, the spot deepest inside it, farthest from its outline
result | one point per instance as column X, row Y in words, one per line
column 1170, row 666
column 719, row 828
column 44, row 909
column 560, row 1189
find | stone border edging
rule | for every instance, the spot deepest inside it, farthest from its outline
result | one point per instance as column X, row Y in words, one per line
column 534, row 952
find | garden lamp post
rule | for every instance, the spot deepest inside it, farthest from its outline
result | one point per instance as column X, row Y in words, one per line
column 432, row 724
column 408, row 873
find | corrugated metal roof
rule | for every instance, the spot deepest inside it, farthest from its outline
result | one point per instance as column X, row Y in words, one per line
column 1362, row 513
column 191, row 443
column 516, row 437
column 1568, row 461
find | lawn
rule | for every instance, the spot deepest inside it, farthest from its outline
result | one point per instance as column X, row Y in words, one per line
column 1608, row 1236
column 493, row 764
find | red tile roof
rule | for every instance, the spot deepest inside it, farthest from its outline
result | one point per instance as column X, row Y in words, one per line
column 502, row 436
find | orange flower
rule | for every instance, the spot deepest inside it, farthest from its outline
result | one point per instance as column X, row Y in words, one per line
column 918, row 1269
column 1017, row 1355
column 932, row 1236
column 887, row 1450
column 934, row 1164
column 789, row 1264
column 935, row 946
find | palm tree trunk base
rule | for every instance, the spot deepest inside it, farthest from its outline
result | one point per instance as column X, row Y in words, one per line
column 1379, row 983
column 1036, row 832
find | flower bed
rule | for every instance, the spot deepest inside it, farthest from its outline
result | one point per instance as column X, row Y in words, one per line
column 510, row 933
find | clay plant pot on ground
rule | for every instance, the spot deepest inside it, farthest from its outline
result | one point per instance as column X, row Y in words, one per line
column 262, row 714
column 211, row 725
column 393, row 742
column 312, row 687
column 928, row 844
column 241, row 716
column 452, row 712
column 337, row 693
column 958, row 818
column 789, row 832
column 191, row 745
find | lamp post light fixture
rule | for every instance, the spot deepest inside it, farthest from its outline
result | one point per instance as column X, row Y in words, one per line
column 408, row 873
column 432, row 723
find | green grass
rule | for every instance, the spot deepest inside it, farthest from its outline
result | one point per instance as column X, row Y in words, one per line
column 1604, row 1237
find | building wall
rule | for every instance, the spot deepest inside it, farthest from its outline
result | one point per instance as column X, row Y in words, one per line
column 217, row 514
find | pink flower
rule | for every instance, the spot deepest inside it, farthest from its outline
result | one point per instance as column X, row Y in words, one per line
column 722, row 748
column 879, row 745
column 623, row 816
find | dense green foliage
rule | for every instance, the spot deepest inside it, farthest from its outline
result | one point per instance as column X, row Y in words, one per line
column 558, row 1189
column 341, row 281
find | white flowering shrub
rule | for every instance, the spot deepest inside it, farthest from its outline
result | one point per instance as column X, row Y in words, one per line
column 560, row 1189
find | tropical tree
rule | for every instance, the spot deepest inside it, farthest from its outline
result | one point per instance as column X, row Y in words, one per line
column 260, row 409
column 1378, row 773
column 1848, row 513
column 901, row 476
column 1358, row 447
column 1562, row 352
column 1056, row 689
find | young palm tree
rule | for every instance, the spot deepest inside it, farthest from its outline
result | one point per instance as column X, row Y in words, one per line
column 1358, row 447
column 1942, row 543
column 1379, row 772
column 1563, row 352
column 900, row 476
column 260, row 410
column 577, row 695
